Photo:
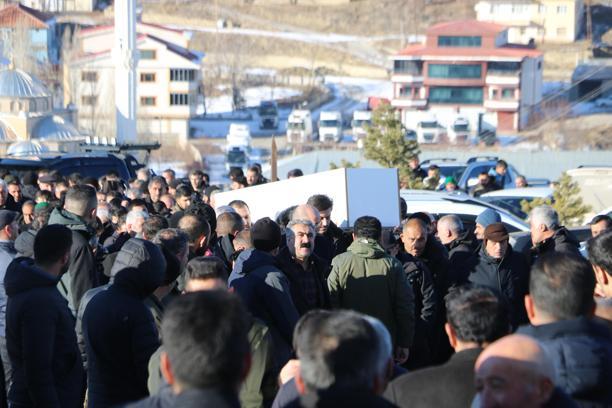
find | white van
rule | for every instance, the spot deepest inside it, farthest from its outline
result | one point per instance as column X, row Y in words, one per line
column 299, row 126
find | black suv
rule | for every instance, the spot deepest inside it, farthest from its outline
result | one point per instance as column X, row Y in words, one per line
column 94, row 161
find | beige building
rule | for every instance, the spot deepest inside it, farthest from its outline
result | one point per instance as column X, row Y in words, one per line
column 557, row 21
column 168, row 89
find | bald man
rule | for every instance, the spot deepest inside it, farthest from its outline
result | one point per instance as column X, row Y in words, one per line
column 516, row 372
column 323, row 247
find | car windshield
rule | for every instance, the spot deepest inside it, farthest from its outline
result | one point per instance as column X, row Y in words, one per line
column 267, row 110
column 296, row 125
column 236, row 156
column 452, row 171
column 461, row 127
column 429, row 125
column 328, row 123
column 360, row 122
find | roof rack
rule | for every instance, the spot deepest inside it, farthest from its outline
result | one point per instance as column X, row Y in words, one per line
column 439, row 159
column 482, row 158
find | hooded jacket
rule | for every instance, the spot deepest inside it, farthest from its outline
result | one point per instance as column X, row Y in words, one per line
column 265, row 291
column 581, row 351
column 42, row 347
column 24, row 244
column 119, row 332
column 82, row 272
column 368, row 280
column 7, row 253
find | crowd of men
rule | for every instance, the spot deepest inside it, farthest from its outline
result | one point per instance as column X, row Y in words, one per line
column 144, row 293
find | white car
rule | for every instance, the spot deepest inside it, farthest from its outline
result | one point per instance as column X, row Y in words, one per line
column 462, row 205
column 510, row 199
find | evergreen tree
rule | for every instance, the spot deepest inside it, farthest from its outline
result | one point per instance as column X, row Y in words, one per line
column 344, row 164
column 386, row 144
column 566, row 201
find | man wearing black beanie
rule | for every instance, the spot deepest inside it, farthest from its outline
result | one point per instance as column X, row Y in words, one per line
column 264, row 289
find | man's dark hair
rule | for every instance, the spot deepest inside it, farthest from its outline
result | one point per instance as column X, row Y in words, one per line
column 81, row 199
column 256, row 169
column 158, row 180
column 137, row 202
column 320, row 202
column 295, row 173
column 367, row 227
column 194, row 227
column 183, row 190
column 341, row 350
column 562, row 286
column 205, row 337
column 153, row 225
column 501, row 163
column 403, row 209
column 235, row 172
column 173, row 239
column 229, row 222
column 44, row 194
column 241, row 180
column 284, row 217
column 196, row 173
column 602, row 217
column 92, row 181
column 206, row 267
column 205, row 212
column 51, row 243
column 476, row 315
column 600, row 251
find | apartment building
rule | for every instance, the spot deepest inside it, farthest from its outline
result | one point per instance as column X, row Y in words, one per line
column 467, row 69
column 169, row 88
column 557, row 21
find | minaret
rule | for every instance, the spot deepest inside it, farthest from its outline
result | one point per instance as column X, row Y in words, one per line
column 126, row 60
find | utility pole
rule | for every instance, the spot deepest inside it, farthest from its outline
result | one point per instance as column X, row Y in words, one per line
column 125, row 55
column 589, row 21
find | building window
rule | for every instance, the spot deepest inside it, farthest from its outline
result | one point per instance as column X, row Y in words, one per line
column 177, row 99
column 519, row 8
column 417, row 92
column 147, row 77
column 561, row 9
column 459, row 41
column 404, row 90
column 508, row 93
column 407, row 67
column 454, row 71
column 147, row 101
column 504, row 67
column 182, row 74
column 456, row 94
column 89, row 76
column 89, row 100
column 561, row 32
column 542, row 9
column 148, row 54
column 494, row 93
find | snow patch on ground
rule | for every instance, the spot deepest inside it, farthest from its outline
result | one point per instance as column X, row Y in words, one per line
column 252, row 96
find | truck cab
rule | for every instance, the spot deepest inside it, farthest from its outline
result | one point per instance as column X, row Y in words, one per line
column 268, row 115
column 361, row 120
column 330, row 126
column 459, row 131
column 299, row 126
column 429, row 131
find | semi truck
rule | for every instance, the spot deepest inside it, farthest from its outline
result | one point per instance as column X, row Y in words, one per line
column 299, row 126
column 330, row 126
column 268, row 115
column 361, row 120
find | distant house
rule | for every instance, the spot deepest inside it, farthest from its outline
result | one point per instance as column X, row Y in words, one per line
column 467, row 68
column 557, row 21
column 169, row 79
column 592, row 80
column 41, row 29
column 56, row 6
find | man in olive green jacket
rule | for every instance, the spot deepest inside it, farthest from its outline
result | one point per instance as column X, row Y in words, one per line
column 368, row 280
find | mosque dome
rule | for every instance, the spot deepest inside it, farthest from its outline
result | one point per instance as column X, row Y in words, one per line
column 26, row 148
column 55, row 128
column 15, row 83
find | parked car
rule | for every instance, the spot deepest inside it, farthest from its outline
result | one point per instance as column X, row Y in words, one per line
column 466, row 207
column 479, row 164
column 511, row 198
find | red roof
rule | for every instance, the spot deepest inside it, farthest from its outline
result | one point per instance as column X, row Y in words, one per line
column 419, row 50
column 107, row 27
column 466, row 27
column 15, row 15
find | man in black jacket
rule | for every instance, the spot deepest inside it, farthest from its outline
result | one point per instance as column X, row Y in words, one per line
column 475, row 318
column 548, row 236
column 117, row 317
column 206, row 351
column 41, row 342
column 341, row 240
column 414, row 239
column 502, row 270
column 560, row 307
column 305, row 270
column 78, row 214
column 460, row 244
